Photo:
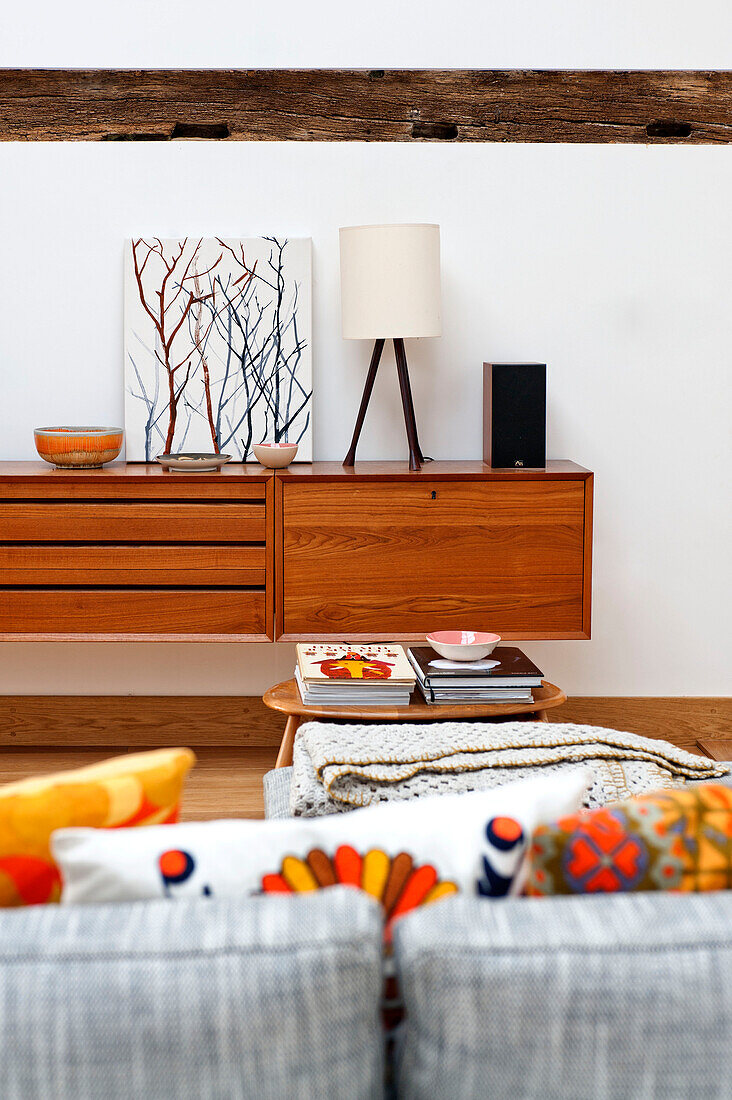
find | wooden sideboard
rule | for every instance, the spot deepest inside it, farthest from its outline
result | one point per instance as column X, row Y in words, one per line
column 136, row 552
column 376, row 551
column 313, row 551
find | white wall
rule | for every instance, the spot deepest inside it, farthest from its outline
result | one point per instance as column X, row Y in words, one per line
column 483, row 34
column 610, row 263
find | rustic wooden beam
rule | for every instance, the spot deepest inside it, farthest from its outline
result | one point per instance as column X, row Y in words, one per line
column 365, row 105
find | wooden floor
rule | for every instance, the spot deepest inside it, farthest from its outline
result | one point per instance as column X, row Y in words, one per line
column 224, row 782
column 36, row 732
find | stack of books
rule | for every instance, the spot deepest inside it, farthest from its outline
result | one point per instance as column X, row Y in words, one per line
column 338, row 675
column 507, row 676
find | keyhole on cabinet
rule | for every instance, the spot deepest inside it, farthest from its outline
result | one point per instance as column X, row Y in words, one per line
column 434, row 495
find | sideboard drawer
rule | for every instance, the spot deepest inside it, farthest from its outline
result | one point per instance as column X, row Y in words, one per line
column 131, row 552
column 184, row 613
column 36, row 521
column 402, row 558
column 81, row 564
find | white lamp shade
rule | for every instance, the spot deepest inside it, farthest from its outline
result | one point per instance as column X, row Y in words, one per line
column 390, row 281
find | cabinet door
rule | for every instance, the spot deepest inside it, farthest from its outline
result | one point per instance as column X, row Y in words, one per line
column 383, row 560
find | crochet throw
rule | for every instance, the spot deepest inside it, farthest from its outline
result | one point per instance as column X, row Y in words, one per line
column 338, row 767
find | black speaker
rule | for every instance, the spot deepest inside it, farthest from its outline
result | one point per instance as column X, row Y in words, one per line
column 514, row 415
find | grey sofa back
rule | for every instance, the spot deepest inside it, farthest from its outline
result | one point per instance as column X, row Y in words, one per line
column 622, row 996
column 272, row 998
column 610, row 997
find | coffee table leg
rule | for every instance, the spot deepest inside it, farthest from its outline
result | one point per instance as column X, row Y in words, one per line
column 541, row 716
column 284, row 756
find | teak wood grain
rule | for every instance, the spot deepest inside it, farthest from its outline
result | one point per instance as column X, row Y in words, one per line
column 372, row 551
column 235, row 739
column 269, row 598
column 556, row 469
column 435, row 504
column 285, row 698
column 524, row 612
column 366, row 105
column 680, row 720
column 188, row 614
column 279, row 557
column 223, row 783
column 587, row 558
column 405, row 557
column 35, row 489
column 32, row 521
column 226, row 783
column 231, row 721
column 132, row 565
column 138, row 722
column 717, row 750
column 132, row 480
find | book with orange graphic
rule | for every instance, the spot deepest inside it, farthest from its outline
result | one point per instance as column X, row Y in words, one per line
column 341, row 661
column 337, row 672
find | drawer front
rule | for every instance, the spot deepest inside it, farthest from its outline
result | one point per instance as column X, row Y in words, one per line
column 179, row 487
column 163, row 559
column 127, row 522
column 135, row 565
column 390, row 559
column 185, row 614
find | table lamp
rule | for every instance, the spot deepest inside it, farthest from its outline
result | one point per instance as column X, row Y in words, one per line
column 390, row 290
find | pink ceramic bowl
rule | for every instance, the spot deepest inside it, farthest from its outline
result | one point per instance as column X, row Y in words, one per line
column 463, row 645
column 275, row 455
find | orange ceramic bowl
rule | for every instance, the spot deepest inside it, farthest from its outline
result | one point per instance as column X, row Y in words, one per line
column 78, row 448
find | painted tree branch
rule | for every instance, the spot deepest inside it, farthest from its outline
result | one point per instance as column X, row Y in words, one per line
column 166, row 330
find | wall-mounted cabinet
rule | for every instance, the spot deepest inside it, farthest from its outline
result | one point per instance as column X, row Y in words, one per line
column 314, row 551
column 136, row 552
column 375, row 551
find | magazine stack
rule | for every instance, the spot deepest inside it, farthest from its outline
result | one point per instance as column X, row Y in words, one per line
column 338, row 674
column 507, row 676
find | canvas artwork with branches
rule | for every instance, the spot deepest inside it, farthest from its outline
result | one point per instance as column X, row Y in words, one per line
column 217, row 345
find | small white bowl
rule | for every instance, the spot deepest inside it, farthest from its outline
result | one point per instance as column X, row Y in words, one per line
column 275, row 455
column 463, row 645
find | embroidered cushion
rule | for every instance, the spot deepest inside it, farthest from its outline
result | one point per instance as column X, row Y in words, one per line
column 404, row 854
column 140, row 789
column 670, row 840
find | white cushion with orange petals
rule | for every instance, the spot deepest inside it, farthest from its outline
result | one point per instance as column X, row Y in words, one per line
column 404, row 854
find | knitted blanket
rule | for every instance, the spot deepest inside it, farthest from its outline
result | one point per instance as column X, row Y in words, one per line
column 338, row 767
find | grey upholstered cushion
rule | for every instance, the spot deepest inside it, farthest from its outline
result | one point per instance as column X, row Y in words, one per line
column 269, row 998
column 562, row 998
column 277, row 792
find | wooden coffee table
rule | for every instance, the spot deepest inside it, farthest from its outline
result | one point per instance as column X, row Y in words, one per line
column 285, row 697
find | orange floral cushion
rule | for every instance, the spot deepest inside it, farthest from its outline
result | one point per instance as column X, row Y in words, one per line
column 140, row 789
column 670, row 840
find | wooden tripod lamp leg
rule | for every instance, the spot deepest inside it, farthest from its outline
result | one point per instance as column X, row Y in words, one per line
column 368, row 387
column 420, row 456
column 415, row 454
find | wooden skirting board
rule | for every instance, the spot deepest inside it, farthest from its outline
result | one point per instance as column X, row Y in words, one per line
column 236, row 738
column 445, row 105
column 137, row 721
column 134, row 722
